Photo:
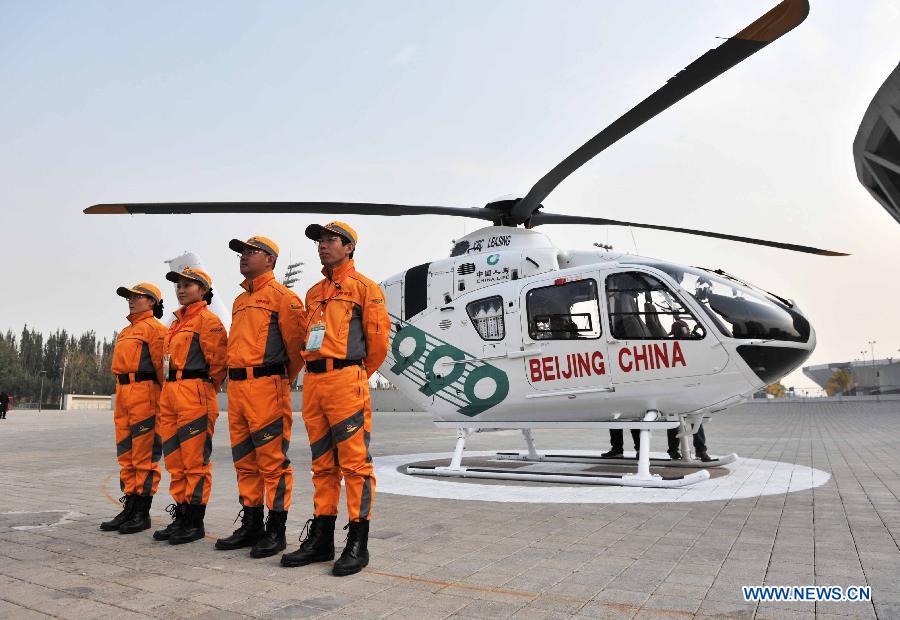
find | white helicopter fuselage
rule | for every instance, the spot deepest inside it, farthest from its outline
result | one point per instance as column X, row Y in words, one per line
column 512, row 329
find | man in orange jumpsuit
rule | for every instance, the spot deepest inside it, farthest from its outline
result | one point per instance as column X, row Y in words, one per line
column 137, row 365
column 194, row 361
column 263, row 360
column 346, row 330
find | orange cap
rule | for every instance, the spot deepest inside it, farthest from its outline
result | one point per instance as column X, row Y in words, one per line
column 191, row 274
column 314, row 231
column 256, row 241
column 141, row 288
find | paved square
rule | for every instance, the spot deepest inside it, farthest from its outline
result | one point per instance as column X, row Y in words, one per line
column 442, row 558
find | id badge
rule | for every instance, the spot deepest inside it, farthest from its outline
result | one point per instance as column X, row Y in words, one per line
column 316, row 337
column 166, row 359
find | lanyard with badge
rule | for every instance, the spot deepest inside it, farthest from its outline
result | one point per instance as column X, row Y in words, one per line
column 318, row 330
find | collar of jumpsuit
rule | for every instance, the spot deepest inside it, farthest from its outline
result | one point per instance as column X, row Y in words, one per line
column 139, row 316
column 339, row 273
column 190, row 310
column 257, row 282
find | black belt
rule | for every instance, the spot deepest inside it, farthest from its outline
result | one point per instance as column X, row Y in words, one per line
column 188, row 374
column 126, row 378
column 317, row 366
column 241, row 374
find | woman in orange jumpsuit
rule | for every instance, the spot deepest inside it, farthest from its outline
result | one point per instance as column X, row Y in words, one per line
column 194, row 364
column 137, row 365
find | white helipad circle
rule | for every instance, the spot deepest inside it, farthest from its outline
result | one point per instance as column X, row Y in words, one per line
column 745, row 478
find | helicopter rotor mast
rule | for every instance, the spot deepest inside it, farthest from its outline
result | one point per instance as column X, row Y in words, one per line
column 528, row 211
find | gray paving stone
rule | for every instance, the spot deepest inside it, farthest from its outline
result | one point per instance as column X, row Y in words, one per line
column 438, row 558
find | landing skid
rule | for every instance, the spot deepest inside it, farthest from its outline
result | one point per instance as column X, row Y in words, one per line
column 572, row 474
column 594, row 459
column 581, row 477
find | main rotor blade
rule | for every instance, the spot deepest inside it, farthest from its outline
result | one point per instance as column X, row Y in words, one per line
column 355, row 208
column 553, row 218
column 781, row 19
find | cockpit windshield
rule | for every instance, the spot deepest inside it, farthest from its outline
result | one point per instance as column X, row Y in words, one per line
column 737, row 310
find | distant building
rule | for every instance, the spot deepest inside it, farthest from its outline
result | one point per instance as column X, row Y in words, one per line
column 869, row 377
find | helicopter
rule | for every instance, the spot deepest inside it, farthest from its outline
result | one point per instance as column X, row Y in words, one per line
column 512, row 332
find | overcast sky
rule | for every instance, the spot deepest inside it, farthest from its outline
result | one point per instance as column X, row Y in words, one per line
column 447, row 103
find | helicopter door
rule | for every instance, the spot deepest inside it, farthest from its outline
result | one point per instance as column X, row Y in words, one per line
column 653, row 336
column 561, row 319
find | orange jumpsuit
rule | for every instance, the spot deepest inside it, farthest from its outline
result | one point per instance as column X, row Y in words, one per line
column 336, row 408
column 137, row 364
column 195, row 344
column 263, row 361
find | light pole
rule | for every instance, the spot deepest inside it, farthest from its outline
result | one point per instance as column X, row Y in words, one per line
column 872, row 347
column 62, row 383
column 290, row 276
column 41, row 397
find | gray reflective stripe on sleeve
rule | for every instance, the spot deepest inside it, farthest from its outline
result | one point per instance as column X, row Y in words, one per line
column 275, row 352
column 367, row 436
column 268, row 433
column 197, row 496
column 356, row 339
column 278, row 502
column 242, row 450
column 194, row 428
column 345, row 429
column 195, row 359
column 320, row 447
column 365, row 500
column 123, row 446
column 146, row 363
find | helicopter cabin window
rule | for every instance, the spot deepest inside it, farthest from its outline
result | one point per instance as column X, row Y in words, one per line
column 568, row 310
column 487, row 317
column 643, row 308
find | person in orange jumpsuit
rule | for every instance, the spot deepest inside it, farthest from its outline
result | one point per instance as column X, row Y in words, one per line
column 263, row 360
column 347, row 330
column 194, row 365
column 137, row 365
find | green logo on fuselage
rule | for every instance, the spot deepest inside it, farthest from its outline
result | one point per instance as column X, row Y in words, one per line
column 453, row 383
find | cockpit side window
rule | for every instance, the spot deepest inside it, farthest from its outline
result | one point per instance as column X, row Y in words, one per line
column 487, row 317
column 739, row 311
column 565, row 311
column 641, row 307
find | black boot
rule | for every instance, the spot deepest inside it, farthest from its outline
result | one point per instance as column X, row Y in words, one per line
column 318, row 546
column 675, row 455
column 612, row 454
column 356, row 554
column 704, row 456
column 178, row 513
column 140, row 518
column 274, row 540
column 127, row 510
column 248, row 534
column 193, row 528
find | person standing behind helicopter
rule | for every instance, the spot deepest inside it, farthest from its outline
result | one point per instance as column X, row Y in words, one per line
column 137, row 366
column 194, row 365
